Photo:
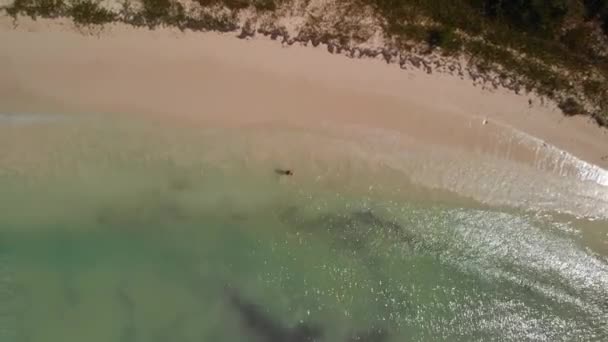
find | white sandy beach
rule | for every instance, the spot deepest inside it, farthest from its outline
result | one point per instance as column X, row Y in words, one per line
column 216, row 79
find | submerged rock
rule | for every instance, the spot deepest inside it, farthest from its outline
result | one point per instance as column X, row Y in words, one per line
column 372, row 335
column 129, row 332
column 353, row 231
column 71, row 294
column 262, row 326
column 268, row 330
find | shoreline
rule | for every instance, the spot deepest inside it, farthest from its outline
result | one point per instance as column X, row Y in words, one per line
column 541, row 120
column 364, row 29
column 212, row 79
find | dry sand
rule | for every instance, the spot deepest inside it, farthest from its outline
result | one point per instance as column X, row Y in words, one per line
column 217, row 79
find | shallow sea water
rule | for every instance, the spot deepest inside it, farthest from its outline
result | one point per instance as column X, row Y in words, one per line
column 129, row 231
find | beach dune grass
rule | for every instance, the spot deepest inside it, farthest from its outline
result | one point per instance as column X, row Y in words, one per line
column 547, row 36
column 88, row 12
column 262, row 5
column 38, row 8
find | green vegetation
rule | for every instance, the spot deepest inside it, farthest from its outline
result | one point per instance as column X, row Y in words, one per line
column 532, row 27
column 37, row 8
column 443, row 37
column 156, row 12
column 570, row 107
column 88, row 12
column 260, row 5
column 538, row 39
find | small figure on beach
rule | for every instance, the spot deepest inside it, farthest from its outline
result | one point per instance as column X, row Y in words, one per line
column 283, row 172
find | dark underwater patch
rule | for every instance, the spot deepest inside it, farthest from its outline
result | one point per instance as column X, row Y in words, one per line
column 259, row 324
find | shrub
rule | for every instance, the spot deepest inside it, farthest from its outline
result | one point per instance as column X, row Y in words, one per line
column 87, row 13
column 35, row 8
column 571, row 107
column 444, row 38
column 260, row 5
column 265, row 5
column 155, row 11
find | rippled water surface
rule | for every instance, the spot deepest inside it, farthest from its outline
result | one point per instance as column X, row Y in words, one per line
column 125, row 231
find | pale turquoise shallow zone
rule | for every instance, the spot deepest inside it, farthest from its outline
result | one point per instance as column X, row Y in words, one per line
column 128, row 243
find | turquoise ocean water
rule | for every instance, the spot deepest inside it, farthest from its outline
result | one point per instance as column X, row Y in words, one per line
column 129, row 231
